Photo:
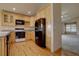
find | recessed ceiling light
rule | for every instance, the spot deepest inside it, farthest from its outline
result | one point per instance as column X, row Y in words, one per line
column 49, row 26
column 29, row 12
column 14, row 9
column 62, row 16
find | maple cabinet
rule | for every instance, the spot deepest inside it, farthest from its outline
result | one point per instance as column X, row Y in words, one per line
column 7, row 19
column 2, row 46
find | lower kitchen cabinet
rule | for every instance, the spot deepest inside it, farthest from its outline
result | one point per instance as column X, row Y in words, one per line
column 11, row 38
column 32, row 35
column 2, row 46
column 28, row 35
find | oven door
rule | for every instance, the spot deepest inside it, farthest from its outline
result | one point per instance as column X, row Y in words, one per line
column 20, row 35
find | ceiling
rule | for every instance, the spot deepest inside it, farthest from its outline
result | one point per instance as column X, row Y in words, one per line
column 69, row 11
column 22, row 8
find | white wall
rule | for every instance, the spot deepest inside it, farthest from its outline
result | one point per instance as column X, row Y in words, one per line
column 56, row 27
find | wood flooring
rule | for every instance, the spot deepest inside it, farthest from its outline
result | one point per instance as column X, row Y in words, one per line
column 28, row 48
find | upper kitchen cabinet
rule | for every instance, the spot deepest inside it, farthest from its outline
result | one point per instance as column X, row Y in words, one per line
column 32, row 21
column 7, row 19
column 27, row 21
column 19, row 16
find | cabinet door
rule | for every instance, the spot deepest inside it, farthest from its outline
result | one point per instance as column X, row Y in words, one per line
column 27, row 23
column 32, row 35
column 11, row 20
column 5, row 19
column 12, row 38
column 28, row 35
column 8, row 19
column 2, row 46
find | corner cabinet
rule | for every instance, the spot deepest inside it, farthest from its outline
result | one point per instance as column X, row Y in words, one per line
column 7, row 19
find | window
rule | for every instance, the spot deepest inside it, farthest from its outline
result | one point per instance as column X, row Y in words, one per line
column 70, row 28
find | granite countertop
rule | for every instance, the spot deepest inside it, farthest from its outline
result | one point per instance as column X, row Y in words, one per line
column 4, row 33
column 5, row 30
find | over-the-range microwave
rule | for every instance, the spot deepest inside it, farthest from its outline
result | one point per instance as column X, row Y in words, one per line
column 20, row 22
